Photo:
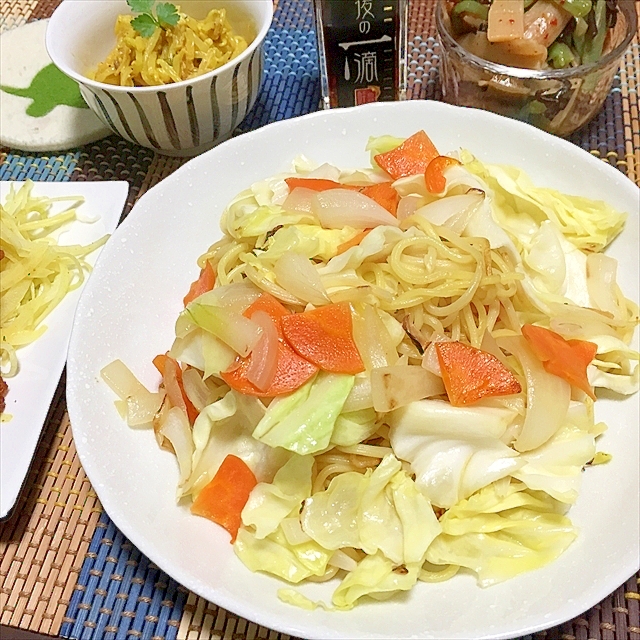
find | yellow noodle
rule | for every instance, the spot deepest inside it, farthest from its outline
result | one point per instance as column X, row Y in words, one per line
column 189, row 49
column 37, row 273
column 366, row 450
column 320, row 482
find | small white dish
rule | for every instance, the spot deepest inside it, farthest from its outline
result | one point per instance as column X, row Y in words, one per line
column 41, row 362
column 128, row 311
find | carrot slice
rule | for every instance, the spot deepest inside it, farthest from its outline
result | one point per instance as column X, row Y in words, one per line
column 324, row 336
column 384, row 194
column 470, row 374
column 434, row 174
column 203, row 284
column 411, row 157
column 223, row 499
column 567, row 359
column 159, row 362
column 353, row 242
column 167, row 365
column 316, row 184
column 292, row 370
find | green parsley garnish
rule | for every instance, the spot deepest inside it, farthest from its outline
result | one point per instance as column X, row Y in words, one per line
column 166, row 15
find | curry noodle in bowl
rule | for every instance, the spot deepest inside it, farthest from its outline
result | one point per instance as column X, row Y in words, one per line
column 180, row 117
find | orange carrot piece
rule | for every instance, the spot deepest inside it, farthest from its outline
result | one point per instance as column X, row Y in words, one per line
column 470, row 374
column 165, row 364
column 434, row 174
column 567, row 359
column 324, row 336
column 384, row 194
column 203, row 284
column 411, row 157
column 292, row 370
column 353, row 242
column 159, row 362
column 223, row 499
column 316, row 184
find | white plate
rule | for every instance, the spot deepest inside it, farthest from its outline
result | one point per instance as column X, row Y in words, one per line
column 129, row 309
column 41, row 362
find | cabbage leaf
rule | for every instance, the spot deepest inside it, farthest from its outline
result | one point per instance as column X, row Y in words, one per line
column 303, row 421
column 377, row 577
column 231, row 435
column 453, row 451
column 270, row 503
column 381, row 511
column 276, row 556
column 498, row 534
column 520, row 207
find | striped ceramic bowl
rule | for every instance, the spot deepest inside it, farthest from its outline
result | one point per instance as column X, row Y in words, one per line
column 180, row 119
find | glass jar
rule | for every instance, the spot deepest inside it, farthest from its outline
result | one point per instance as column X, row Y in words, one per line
column 559, row 101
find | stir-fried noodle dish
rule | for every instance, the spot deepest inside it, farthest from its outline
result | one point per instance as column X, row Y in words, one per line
column 387, row 375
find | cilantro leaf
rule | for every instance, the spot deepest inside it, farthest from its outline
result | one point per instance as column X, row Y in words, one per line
column 167, row 14
column 144, row 24
column 140, row 6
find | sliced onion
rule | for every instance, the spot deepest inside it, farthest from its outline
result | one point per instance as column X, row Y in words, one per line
column 260, row 280
column 264, row 358
column 299, row 201
column 238, row 332
column 236, row 296
column 360, row 396
column 341, row 560
column 570, row 326
column 430, row 360
column 177, row 430
column 325, row 171
column 298, row 276
column 375, row 345
column 490, row 345
column 293, row 532
column 194, row 386
column 548, row 396
column 142, row 404
column 408, row 206
column 338, row 208
column 601, row 282
column 394, row 387
column 453, row 211
column 171, row 385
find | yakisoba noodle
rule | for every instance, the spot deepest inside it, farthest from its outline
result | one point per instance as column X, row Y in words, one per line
column 37, row 273
column 442, row 280
column 440, row 477
column 189, row 49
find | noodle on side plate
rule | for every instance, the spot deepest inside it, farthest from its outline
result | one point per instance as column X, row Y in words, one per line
column 37, row 272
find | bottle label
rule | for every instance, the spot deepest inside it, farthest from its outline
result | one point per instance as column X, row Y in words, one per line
column 361, row 50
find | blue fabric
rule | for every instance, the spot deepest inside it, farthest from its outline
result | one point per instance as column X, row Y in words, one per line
column 120, row 594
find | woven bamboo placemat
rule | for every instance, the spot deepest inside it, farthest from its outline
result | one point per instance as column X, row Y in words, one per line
column 65, row 569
